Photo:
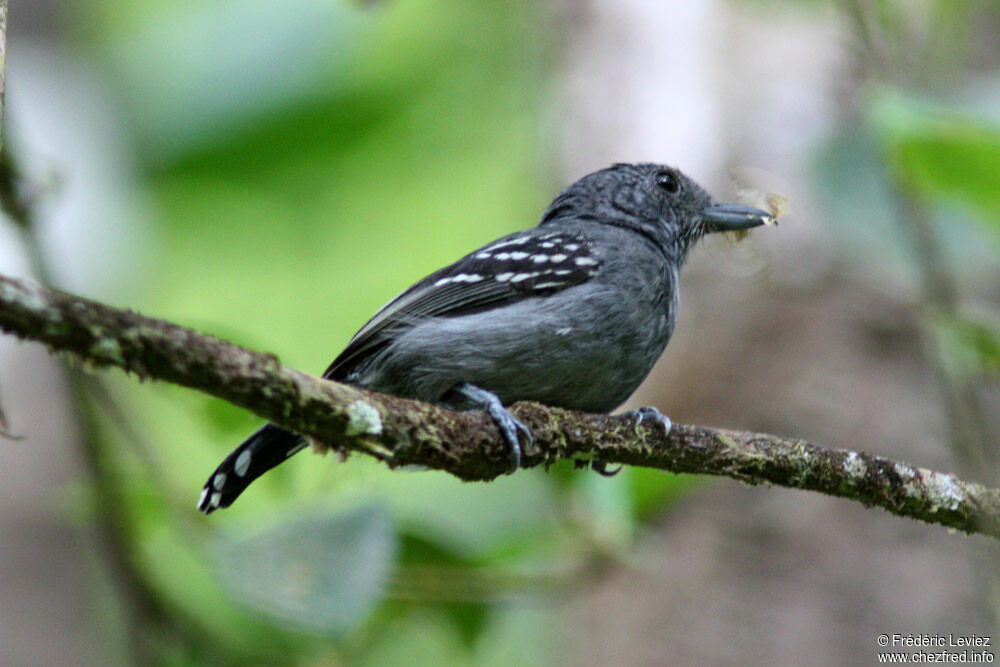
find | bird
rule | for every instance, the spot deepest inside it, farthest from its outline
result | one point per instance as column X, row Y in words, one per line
column 571, row 313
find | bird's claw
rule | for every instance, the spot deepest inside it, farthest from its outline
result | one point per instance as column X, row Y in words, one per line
column 649, row 412
column 512, row 430
column 601, row 468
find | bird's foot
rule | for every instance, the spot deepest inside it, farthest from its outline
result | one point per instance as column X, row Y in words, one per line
column 647, row 412
column 639, row 415
column 511, row 429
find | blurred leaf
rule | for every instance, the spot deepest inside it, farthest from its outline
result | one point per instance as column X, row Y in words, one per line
column 474, row 521
column 468, row 618
column 968, row 348
column 608, row 509
column 196, row 72
column 522, row 635
column 652, row 490
column 859, row 212
column 415, row 640
column 526, row 635
column 224, row 417
column 942, row 153
column 324, row 572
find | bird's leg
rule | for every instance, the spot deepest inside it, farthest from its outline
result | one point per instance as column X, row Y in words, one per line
column 510, row 427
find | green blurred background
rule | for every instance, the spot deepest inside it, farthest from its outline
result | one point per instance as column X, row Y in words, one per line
column 272, row 173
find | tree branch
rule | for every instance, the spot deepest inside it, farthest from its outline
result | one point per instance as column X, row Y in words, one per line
column 404, row 432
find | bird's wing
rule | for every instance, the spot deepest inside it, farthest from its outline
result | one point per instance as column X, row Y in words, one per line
column 515, row 267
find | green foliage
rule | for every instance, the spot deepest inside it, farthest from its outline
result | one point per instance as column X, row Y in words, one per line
column 944, row 154
column 304, row 162
column 949, row 159
column 968, row 348
column 323, row 572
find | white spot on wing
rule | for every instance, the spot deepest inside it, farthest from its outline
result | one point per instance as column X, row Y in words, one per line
column 522, row 276
column 539, row 259
column 215, row 500
column 520, row 240
column 585, row 261
column 558, row 258
column 504, row 277
column 518, row 254
column 460, row 278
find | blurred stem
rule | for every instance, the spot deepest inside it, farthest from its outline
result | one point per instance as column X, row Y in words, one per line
column 960, row 395
column 430, row 583
column 896, row 48
column 898, row 58
column 866, row 28
column 147, row 616
column 149, row 619
column 159, row 474
column 403, row 432
column 3, row 64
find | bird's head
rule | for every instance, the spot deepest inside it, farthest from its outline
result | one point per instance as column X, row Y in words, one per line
column 657, row 201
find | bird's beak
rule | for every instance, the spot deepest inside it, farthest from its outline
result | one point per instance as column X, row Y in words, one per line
column 734, row 217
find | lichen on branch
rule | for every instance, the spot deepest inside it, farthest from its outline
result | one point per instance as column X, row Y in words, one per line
column 400, row 432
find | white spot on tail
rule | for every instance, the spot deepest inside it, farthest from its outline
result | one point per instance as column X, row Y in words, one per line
column 243, row 462
column 219, row 481
column 297, row 448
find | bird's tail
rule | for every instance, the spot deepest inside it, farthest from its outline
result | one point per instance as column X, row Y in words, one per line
column 263, row 450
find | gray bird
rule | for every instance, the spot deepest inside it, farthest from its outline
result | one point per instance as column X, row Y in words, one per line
column 571, row 313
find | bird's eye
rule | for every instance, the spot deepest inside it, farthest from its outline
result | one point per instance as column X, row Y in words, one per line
column 668, row 182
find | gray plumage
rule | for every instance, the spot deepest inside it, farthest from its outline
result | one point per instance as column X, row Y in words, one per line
column 572, row 313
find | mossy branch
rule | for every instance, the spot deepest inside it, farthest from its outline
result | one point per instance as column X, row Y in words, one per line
column 405, row 432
